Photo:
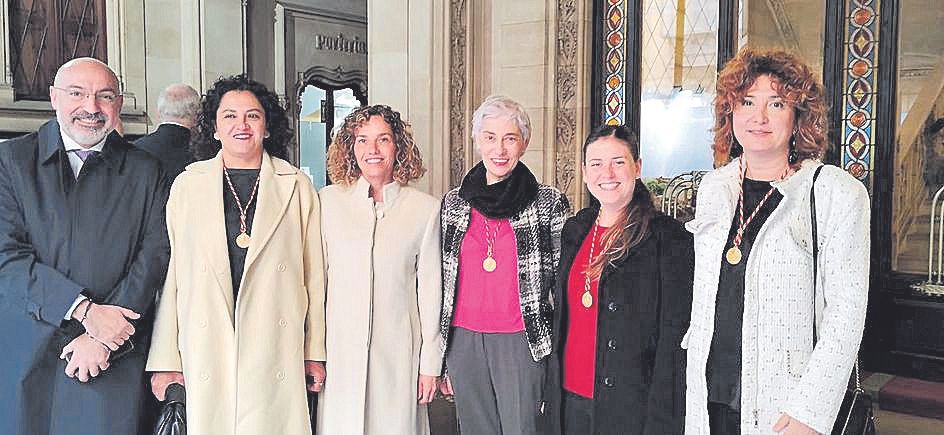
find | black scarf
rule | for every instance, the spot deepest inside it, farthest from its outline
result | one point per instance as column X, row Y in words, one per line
column 503, row 199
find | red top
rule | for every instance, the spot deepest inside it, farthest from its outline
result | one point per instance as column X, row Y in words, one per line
column 581, row 340
column 488, row 301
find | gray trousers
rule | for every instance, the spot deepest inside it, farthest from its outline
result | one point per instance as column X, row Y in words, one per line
column 498, row 384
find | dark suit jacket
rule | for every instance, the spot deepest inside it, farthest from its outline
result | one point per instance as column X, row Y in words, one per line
column 170, row 143
column 643, row 305
column 102, row 234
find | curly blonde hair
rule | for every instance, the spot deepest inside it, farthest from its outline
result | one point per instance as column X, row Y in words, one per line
column 797, row 85
column 342, row 164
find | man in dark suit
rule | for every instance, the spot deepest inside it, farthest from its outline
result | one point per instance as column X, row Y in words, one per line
column 83, row 250
column 178, row 106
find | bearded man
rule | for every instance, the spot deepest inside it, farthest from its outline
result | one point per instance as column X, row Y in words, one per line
column 83, row 250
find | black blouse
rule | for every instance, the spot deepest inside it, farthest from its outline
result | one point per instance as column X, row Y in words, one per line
column 243, row 181
column 724, row 359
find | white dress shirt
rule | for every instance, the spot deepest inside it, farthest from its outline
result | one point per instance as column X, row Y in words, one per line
column 76, row 163
column 74, row 159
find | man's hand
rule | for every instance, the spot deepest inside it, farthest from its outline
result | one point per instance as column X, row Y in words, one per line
column 161, row 380
column 445, row 386
column 425, row 388
column 86, row 358
column 109, row 324
column 315, row 375
column 787, row 425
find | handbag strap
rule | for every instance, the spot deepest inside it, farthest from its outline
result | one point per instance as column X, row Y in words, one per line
column 816, row 266
column 815, row 246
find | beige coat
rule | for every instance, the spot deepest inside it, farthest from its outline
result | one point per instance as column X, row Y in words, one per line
column 384, row 297
column 243, row 360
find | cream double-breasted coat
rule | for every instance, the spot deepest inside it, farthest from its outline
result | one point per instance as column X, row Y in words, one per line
column 243, row 360
column 384, row 297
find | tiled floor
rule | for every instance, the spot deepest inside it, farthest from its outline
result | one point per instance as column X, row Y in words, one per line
column 890, row 423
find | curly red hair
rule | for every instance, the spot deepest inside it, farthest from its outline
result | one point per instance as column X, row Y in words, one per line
column 797, row 85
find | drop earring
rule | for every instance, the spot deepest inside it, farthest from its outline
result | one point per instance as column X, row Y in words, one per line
column 736, row 149
column 350, row 166
column 792, row 154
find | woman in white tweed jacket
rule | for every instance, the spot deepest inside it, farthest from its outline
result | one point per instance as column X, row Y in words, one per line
column 752, row 366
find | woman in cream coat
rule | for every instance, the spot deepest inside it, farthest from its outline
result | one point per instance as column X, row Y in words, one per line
column 242, row 342
column 381, row 244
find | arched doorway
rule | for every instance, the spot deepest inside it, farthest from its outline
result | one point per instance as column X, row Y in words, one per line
column 323, row 97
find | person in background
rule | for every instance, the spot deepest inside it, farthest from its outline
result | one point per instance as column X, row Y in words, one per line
column 240, row 321
column 500, row 249
column 178, row 106
column 381, row 239
column 765, row 355
column 625, row 292
column 83, row 250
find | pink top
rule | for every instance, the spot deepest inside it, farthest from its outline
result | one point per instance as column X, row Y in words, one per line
column 488, row 301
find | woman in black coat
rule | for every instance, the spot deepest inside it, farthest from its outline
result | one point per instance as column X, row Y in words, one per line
column 623, row 302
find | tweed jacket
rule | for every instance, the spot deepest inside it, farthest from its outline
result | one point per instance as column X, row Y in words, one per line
column 537, row 232
column 781, row 371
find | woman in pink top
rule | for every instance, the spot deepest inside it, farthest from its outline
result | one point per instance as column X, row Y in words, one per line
column 501, row 246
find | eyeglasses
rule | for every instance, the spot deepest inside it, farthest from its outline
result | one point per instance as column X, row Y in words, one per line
column 77, row 95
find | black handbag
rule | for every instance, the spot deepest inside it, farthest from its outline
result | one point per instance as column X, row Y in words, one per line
column 855, row 414
column 173, row 418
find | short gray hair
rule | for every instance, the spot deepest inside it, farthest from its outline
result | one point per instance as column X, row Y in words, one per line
column 178, row 101
column 500, row 106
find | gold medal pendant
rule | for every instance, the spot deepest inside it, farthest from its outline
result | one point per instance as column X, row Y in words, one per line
column 733, row 255
column 489, row 264
column 587, row 300
column 242, row 240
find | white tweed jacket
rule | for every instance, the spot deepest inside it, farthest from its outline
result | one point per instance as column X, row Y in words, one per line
column 781, row 371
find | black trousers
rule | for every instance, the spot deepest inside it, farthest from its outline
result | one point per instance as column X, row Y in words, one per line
column 578, row 414
column 723, row 420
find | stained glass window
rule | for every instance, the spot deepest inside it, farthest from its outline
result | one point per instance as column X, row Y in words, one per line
column 858, row 123
column 614, row 100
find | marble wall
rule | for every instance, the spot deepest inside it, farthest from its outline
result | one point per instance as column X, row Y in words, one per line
column 190, row 41
column 434, row 60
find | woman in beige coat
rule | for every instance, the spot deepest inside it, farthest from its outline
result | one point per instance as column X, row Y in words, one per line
column 241, row 318
column 381, row 243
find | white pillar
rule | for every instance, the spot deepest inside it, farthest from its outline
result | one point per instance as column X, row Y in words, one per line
column 407, row 65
